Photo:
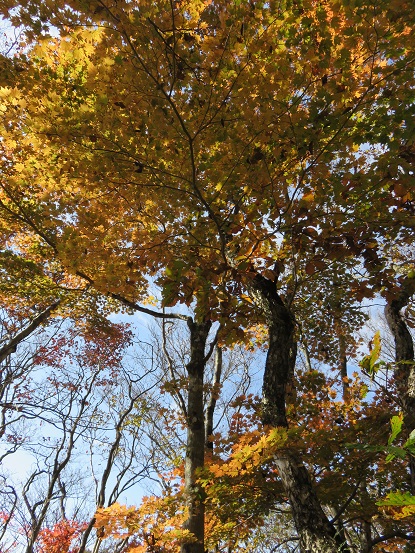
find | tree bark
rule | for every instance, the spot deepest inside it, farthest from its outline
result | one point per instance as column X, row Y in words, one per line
column 210, row 409
column 405, row 371
column 195, row 436
column 282, row 351
column 343, row 368
column 316, row 533
column 404, row 354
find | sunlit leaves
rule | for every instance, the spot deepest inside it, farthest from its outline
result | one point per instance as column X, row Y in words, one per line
column 60, row 538
column 199, row 145
column 233, row 95
column 156, row 522
column 401, row 505
column 370, row 363
column 252, row 450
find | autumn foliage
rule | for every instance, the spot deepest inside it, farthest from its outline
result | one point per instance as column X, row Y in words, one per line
column 60, row 538
column 243, row 170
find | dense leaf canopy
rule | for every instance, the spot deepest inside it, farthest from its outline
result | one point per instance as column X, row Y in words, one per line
column 254, row 161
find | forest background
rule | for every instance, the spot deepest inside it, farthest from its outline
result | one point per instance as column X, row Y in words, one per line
column 242, row 175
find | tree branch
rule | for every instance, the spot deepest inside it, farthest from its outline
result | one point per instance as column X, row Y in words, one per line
column 151, row 312
column 11, row 346
column 391, row 535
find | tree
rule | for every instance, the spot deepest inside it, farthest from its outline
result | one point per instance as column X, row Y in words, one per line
column 69, row 394
column 262, row 130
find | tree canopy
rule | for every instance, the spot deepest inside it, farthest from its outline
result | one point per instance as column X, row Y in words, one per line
column 254, row 162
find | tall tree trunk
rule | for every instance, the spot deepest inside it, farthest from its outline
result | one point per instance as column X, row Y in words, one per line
column 195, row 436
column 210, row 409
column 343, row 368
column 404, row 357
column 404, row 353
column 316, row 533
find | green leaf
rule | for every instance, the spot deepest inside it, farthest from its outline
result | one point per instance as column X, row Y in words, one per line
column 370, row 363
column 395, row 452
column 409, row 445
column 396, row 427
column 397, row 499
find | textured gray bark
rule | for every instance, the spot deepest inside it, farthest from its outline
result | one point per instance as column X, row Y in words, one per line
column 195, row 445
column 405, row 372
column 343, row 367
column 282, row 350
column 404, row 353
column 316, row 533
column 210, row 409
